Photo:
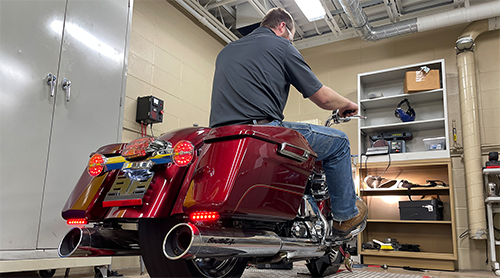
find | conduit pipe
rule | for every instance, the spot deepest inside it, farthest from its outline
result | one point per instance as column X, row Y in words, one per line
column 470, row 125
column 359, row 20
column 205, row 22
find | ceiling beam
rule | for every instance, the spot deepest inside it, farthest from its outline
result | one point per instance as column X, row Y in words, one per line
column 230, row 11
column 329, row 19
column 395, row 11
column 399, row 6
column 217, row 24
column 258, row 7
column 387, row 4
column 324, row 39
column 220, row 3
column 363, row 5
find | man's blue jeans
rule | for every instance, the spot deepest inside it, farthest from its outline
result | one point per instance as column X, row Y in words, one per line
column 333, row 149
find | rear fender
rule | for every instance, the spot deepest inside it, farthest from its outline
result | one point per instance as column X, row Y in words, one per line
column 169, row 183
column 83, row 201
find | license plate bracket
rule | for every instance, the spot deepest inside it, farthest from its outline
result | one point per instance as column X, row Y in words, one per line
column 126, row 192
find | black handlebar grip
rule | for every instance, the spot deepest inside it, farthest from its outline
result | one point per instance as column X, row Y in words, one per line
column 348, row 112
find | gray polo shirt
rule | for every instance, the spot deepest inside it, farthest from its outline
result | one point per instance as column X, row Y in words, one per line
column 253, row 76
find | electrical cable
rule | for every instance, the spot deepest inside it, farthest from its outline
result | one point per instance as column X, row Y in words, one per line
column 388, row 165
column 464, row 234
column 366, row 165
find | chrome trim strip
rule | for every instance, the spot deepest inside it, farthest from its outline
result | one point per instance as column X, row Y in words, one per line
column 293, row 155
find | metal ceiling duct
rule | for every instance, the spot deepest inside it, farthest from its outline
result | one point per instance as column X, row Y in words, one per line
column 360, row 22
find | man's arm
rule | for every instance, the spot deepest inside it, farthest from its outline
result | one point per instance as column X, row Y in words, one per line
column 328, row 99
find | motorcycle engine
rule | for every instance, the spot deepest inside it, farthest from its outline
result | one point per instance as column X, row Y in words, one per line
column 313, row 222
column 308, row 229
column 318, row 186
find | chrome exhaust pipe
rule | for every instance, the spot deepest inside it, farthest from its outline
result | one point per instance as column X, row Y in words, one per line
column 187, row 241
column 83, row 242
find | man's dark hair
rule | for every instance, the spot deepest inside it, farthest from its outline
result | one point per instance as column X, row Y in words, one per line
column 275, row 16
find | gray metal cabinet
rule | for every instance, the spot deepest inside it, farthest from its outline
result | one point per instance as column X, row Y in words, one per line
column 45, row 140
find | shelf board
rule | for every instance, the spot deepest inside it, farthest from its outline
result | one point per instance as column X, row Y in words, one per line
column 418, row 255
column 438, row 123
column 407, row 157
column 392, row 101
column 406, row 163
column 404, row 191
column 410, row 221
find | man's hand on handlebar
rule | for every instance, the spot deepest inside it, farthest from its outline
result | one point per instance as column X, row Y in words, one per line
column 336, row 118
column 350, row 110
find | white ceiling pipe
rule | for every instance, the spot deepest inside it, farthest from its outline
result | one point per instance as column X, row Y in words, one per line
column 471, row 138
column 360, row 22
column 472, row 141
column 203, row 20
column 458, row 16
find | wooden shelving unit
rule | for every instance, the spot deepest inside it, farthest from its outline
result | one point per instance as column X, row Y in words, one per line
column 409, row 221
column 437, row 239
column 418, row 255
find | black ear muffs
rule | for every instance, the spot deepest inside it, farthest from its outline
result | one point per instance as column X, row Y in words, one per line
column 405, row 116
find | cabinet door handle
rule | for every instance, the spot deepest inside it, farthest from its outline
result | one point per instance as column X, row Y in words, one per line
column 66, row 85
column 51, row 81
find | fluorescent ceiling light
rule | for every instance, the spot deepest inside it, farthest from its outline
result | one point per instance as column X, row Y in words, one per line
column 312, row 9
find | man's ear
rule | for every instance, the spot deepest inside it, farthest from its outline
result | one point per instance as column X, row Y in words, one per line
column 282, row 27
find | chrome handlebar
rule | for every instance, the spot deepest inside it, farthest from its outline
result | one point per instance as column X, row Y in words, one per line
column 335, row 118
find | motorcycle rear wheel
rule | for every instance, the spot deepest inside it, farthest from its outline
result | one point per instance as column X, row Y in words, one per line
column 152, row 232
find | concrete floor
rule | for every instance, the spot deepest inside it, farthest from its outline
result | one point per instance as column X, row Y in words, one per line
column 299, row 270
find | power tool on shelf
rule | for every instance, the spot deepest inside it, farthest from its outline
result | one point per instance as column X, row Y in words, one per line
column 394, row 141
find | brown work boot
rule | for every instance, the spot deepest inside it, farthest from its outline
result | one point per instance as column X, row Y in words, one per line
column 353, row 226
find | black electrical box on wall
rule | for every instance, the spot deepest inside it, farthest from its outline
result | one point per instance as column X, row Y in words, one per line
column 149, row 110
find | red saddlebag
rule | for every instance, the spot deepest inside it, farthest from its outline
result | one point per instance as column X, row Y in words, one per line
column 251, row 171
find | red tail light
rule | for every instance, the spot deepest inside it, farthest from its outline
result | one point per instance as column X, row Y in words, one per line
column 204, row 216
column 79, row 221
column 137, row 148
column 97, row 164
column 183, row 153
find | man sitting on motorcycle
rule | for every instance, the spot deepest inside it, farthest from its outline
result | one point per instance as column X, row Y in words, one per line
column 251, row 85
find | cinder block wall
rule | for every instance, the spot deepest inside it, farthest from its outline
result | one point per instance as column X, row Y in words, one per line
column 173, row 59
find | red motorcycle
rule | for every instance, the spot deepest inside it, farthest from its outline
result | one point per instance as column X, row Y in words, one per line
column 201, row 202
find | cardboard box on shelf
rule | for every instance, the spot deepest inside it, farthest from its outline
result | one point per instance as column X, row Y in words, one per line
column 416, row 81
